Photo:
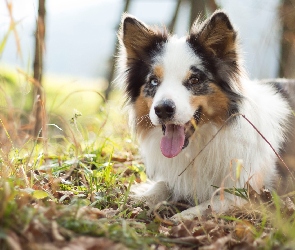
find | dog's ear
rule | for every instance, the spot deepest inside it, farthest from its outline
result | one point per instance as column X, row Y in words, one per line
column 216, row 34
column 137, row 37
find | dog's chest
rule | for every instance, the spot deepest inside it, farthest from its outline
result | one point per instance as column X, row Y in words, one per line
column 191, row 174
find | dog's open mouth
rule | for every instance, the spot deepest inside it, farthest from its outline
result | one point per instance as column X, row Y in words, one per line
column 175, row 138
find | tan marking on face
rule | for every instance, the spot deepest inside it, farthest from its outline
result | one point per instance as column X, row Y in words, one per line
column 188, row 75
column 142, row 109
column 214, row 106
column 159, row 72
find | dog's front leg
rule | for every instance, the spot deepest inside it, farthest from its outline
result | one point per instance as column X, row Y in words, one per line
column 152, row 193
column 217, row 205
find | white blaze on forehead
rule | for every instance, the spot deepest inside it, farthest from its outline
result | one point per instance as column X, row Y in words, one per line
column 176, row 60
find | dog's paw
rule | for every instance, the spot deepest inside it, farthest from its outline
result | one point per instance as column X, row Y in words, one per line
column 135, row 198
column 151, row 199
column 190, row 213
column 184, row 215
column 154, row 194
column 215, row 205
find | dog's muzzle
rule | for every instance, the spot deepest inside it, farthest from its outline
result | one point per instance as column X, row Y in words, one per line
column 175, row 137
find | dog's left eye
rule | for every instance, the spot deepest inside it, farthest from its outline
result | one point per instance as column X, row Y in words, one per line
column 154, row 81
column 193, row 80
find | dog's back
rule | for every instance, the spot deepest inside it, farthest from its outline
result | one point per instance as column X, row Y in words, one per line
column 287, row 88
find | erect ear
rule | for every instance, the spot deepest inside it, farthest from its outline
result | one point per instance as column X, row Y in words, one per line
column 216, row 34
column 137, row 37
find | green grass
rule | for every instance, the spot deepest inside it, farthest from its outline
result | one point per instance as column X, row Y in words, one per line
column 89, row 160
column 76, row 183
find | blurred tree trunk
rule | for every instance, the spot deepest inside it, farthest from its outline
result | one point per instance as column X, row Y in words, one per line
column 212, row 5
column 202, row 9
column 287, row 65
column 39, row 100
column 174, row 17
column 198, row 8
column 112, row 70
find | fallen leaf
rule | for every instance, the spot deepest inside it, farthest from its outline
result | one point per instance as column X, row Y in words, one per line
column 13, row 241
column 193, row 240
column 90, row 212
column 110, row 212
column 184, row 229
column 244, row 230
column 40, row 194
column 55, row 233
column 289, row 206
column 221, row 243
column 265, row 195
column 135, row 212
column 91, row 243
column 37, row 232
column 243, row 246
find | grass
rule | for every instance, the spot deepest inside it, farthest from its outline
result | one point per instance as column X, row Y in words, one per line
column 73, row 188
column 89, row 162
column 70, row 190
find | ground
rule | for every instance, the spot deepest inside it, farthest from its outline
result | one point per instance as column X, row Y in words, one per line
column 69, row 189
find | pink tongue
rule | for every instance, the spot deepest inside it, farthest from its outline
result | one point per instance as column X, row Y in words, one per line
column 173, row 140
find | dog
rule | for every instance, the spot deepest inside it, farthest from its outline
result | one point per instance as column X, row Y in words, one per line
column 186, row 98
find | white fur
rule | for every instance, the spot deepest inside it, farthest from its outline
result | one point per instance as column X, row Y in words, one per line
column 177, row 59
column 216, row 165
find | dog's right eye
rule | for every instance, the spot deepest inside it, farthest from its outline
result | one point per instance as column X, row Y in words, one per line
column 154, row 82
column 193, row 80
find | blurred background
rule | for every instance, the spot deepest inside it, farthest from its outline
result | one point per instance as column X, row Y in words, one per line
column 57, row 56
column 81, row 35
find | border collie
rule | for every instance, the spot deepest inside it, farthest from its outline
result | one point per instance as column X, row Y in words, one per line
column 181, row 92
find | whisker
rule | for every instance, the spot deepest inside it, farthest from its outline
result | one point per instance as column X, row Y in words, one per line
column 142, row 118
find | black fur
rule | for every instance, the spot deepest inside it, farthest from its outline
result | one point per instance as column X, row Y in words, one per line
column 221, row 77
column 149, row 89
column 202, row 86
column 191, row 129
column 138, row 67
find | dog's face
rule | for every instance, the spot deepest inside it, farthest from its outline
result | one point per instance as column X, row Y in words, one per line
column 177, row 84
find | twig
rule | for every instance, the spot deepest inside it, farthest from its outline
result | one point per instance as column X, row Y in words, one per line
column 158, row 216
column 227, row 120
column 268, row 144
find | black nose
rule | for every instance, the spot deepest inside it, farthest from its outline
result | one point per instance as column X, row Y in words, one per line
column 165, row 109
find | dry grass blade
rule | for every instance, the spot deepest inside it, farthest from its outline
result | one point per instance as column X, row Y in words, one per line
column 12, row 25
column 29, row 78
column 79, row 91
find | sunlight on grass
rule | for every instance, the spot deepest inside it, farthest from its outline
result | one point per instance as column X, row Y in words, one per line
column 75, row 182
column 87, row 159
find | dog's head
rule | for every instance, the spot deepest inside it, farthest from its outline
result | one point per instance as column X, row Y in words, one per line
column 177, row 84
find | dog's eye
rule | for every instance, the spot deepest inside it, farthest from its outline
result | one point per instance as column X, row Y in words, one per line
column 154, row 81
column 193, row 80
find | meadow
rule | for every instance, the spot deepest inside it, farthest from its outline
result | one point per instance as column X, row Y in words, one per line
column 69, row 189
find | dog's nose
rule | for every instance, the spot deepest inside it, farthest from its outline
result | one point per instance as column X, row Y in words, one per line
column 165, row 109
